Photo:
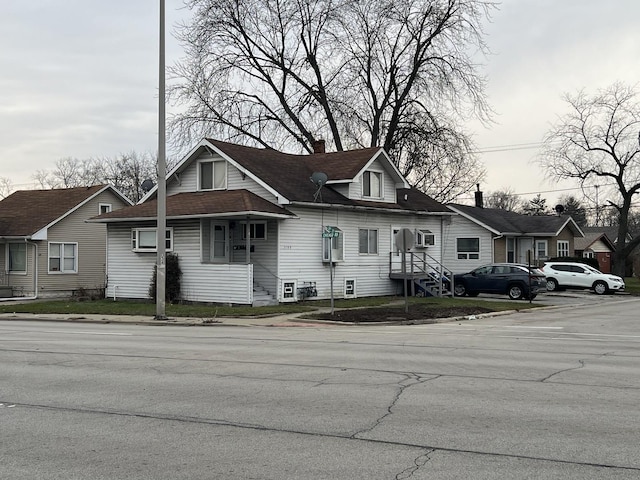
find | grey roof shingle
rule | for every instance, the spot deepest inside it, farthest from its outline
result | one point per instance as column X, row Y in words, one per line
column 504, row 221
column 25, row 212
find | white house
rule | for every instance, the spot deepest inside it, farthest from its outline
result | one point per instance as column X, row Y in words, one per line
column 253, row 225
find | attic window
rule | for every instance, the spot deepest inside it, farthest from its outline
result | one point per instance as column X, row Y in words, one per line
column 372, row 184
column 212, row 175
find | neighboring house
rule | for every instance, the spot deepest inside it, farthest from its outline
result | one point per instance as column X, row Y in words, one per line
column 46, row 248
column 256, row 226
column 611, row 234
column 484, row 235
column 596, row 244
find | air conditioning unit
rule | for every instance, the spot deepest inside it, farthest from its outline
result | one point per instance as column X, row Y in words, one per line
column 424, row 238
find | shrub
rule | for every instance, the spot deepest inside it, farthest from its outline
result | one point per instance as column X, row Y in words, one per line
column 173, row 275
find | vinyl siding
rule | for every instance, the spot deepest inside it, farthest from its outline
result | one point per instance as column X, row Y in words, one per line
column 130, row 272
column 300, row 250
column 460, row 227
column 388, row 185
column 189, row 180
column 22, row 283
column 90, row 239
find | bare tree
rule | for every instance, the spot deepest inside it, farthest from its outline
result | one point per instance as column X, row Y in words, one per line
column 6, row 187
column 505, row 199
column 126, row 172
column 286, row 73
column 597, row 142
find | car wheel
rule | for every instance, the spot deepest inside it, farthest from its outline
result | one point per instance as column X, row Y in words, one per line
column 515, row 292
column 459, row 290
column 600, row 287
column 552, row 285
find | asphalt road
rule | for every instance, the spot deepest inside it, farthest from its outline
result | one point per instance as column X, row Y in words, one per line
column 545, row 394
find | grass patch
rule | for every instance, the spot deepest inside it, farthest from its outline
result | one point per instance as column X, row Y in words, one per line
column 632, row 285
column 148, row 309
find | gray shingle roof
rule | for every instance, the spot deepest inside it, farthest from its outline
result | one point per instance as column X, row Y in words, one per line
column 25, row 212
column 506, row 222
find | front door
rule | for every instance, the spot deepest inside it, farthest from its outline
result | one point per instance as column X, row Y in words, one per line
column 525, row 245
column 220, row 242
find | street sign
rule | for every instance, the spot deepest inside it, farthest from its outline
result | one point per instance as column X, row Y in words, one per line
column 330, row 232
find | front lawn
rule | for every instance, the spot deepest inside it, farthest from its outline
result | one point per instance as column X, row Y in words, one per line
column 124, row 307
column 632, row 285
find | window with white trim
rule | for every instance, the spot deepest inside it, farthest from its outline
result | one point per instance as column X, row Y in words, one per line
column 63, row 257
column 257, row 231
column 144, row 239
column 212, row 175
column 372, row 184
column 367, row 241
column 17, row 257
column 104, row 208
column 468, row 248
column 333, row 247
column 542, row 252
column 563, row 248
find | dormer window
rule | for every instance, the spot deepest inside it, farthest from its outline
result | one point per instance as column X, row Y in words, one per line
column 212, row 175
column 372, row 184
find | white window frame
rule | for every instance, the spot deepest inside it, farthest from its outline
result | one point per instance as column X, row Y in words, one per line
column 537, row 249
column 562, row 246
column 61, row 258
column 104, row 208
column 377, row 243
column 135, row 239
column 8, row 259
column 588, row 254
column 468, row 255
column 337, row 247
column 221, row 184
column 252, row 230
column 366, row 184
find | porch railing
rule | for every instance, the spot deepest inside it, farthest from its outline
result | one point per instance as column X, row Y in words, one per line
column 424, row 271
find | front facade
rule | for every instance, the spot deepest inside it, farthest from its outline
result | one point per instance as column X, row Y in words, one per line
column 254, row 225
column 500, row 236
column 46, row 248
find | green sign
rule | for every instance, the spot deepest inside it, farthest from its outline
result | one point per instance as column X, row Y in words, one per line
column 330, row 232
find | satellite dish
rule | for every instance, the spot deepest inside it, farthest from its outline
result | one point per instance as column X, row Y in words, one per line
column 559, row 209
column 318, row 179
column 147, row 185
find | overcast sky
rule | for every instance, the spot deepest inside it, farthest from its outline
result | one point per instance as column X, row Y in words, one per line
column 79, row 79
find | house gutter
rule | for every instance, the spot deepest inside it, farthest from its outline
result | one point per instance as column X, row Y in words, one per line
column 370, row 209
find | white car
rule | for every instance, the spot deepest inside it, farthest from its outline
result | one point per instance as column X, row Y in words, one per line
column 580, row 275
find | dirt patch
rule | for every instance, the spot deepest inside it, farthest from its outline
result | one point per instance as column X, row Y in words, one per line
column 397, row 314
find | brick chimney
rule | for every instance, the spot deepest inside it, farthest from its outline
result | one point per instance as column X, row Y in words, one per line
column 479, row 201
column 319, row 146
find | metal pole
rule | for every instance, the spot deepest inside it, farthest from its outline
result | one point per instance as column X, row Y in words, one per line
column 331, row 270
column 162, row 185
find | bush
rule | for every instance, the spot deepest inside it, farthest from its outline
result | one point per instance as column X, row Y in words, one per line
column 173, row 275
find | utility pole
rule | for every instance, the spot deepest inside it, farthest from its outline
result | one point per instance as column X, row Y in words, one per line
column 162, row 182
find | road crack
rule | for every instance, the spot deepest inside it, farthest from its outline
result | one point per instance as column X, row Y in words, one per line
column 410, row 379
column 581, row 362
column 418, row 462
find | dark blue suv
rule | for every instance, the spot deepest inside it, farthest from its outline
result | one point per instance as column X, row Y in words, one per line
column 517, row 281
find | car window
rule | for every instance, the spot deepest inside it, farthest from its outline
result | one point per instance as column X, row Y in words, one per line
column 501, row 269
column 593, row 270
column 482, row 270
column 561, row 268
column 577, row 269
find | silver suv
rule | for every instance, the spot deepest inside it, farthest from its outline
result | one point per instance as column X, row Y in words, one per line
column 580, row 275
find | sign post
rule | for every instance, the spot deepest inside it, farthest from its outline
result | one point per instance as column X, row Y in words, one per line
column 405, row 241
column 330, row 233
